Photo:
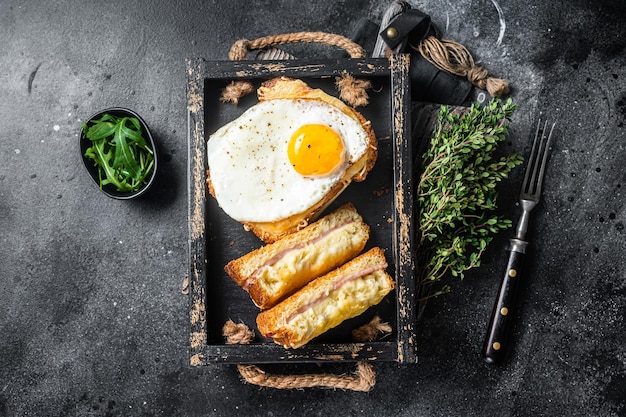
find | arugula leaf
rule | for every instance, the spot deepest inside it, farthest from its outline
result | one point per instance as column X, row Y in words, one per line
column 101, row 130
column 124, row 157
column 101, row 159
column 119, row 151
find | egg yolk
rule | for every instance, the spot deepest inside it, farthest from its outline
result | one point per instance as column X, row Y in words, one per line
column 315, row 150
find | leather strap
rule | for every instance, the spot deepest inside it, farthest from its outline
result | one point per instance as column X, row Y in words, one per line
column 411, row 25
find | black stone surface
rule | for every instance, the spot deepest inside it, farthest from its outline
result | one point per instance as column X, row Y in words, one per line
column 92, row 318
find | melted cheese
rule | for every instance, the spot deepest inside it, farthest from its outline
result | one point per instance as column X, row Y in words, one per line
column 328, row 311
column 295, row 268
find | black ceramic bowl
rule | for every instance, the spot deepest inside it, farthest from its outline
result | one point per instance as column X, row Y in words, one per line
column 109, row 189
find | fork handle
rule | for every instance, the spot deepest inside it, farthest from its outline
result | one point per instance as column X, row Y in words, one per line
column 496, row 340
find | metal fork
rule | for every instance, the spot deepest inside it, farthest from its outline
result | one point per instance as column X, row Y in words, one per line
column 496, row 343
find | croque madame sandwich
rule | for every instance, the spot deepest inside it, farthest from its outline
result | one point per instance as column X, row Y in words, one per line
column 280, row 164
column 327, row 301
column 276, row 270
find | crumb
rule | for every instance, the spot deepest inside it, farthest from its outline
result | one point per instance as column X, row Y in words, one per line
column 380, row 192
column 231, row 243
column 185, row 289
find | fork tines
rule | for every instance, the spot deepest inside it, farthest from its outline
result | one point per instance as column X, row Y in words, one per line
column 535, row 170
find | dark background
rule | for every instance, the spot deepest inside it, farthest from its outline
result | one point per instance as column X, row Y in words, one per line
column 93, row 320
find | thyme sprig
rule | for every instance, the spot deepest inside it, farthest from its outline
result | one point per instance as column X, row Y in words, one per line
column 456, row 192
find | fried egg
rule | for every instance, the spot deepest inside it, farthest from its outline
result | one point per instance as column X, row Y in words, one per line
column 281, row 157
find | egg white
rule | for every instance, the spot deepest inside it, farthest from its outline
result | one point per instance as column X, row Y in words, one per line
column 252, row 177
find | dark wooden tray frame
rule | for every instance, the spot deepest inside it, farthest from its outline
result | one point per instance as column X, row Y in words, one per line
column 207, row 347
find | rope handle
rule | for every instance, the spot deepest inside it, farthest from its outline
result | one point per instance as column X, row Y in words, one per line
column 351, row 90
column 363, row 380
column 240, row 48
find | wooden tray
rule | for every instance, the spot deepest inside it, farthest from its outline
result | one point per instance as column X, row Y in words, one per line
column 384, row 199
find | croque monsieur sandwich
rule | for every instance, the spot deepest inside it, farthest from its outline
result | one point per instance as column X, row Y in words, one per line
column 282, row 162
column 276, row 270
column 327, row 301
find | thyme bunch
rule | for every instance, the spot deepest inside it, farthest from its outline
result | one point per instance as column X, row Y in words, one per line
column 456, row 192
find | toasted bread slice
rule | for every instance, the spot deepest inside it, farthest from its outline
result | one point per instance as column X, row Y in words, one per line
column 327, row 301
column 286, row 88
column 276, row 270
